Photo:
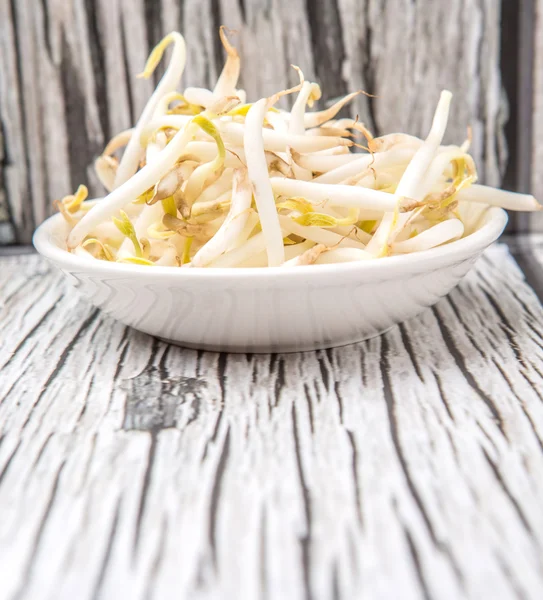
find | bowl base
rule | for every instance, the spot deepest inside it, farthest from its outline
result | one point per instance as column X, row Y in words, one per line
column 277, row 349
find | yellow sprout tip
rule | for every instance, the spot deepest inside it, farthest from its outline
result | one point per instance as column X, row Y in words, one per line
column 155, row 57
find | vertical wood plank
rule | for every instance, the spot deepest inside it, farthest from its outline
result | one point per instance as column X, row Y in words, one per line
column 517, row 65
column 536, row 223
column 6, row 229
column 526, row 94
column 68, row 73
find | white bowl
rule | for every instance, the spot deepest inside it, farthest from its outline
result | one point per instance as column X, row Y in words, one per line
column 273, row 309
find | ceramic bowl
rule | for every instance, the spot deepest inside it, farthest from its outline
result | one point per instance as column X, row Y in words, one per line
column 273, row 310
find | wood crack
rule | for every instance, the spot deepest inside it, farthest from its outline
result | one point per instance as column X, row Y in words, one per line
column 31, row 333
column 126, row 68
column 242, row 10
column 514, row 503
column 417, row 564
column 309, row 408
column 410, row 351
column 145, row 489
column 356, row 479
column 159, row 557
column 80, row 145
column 263, row 555
column 93, row 316
column 98, row 66
column 105, row 563
column 152, row 12
column 394, row 433
column 305, row 538
column 39, row 534
column 368, row 71
column 46, row 30
column 461, row 362
column 23, row 228
column 520, row 400
column 215, row 497
column 5, row 468
column 221, row 368
column 125, row 346
column 279, row 380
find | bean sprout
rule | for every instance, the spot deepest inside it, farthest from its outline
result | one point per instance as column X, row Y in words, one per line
column 226, row 84
column 232, row 226
column 205, row 179
column 130, row 159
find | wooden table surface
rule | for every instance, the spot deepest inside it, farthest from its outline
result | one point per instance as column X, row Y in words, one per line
column 408, row 466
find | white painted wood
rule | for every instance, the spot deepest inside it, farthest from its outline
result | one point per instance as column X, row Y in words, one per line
column 409, row 466
column 68, row 73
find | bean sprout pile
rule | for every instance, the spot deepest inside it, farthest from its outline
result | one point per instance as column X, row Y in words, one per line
column 208, row 180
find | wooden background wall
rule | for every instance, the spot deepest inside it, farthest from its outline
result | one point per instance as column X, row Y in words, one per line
column 67, row 77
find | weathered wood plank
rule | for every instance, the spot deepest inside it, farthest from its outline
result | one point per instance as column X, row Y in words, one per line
column 407, row 466
column 536, row 222
column 528, row 252
column 69, row 68
column 6, row 228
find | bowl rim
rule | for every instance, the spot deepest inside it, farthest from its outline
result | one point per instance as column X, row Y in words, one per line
column 495, row 219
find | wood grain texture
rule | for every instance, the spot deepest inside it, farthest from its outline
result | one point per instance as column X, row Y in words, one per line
column 408, row 466
column 6, row 227
column 67, row 72
column 536, row 223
